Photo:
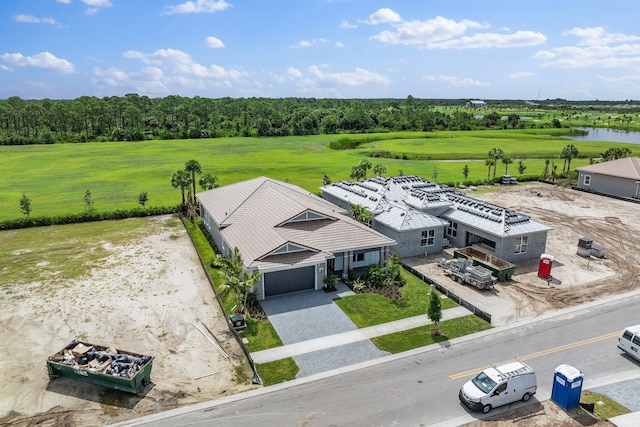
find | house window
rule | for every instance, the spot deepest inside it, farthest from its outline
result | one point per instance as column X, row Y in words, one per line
column 428, row 238
column 521, row 244
column 452, row 229
column 587, row 180
column 358, row 257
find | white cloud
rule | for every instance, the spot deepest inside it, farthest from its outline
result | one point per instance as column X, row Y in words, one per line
column 521, row 75
column 491, row 40
column 97, row 3
column 346, row 25
column 339, row 44
column 456, row 81
column 382, row 16
column 358, row 77
column 64, row 1
column 44, row 60
column 91, row 11
column 214, row 42
column 30, row 19
column 424, row 33
column 595, row 48
column 309, row 43
column 199, row 6
column 180, row 63
column 598, row 36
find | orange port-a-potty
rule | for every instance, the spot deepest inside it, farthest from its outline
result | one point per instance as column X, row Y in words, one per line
column 544, row 268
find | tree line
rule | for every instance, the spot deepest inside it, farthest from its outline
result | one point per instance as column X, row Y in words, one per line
column 136, row 118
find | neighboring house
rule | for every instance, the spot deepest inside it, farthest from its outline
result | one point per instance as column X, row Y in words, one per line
column 293, row 237
column 476, row 104
column 423, row 217
column 620, row 178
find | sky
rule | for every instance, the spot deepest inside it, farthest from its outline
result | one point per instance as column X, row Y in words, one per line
column 469, row 49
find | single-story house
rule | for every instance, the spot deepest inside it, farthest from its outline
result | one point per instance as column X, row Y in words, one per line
column 293, row 237
column 476, row 104
column 424, row 217
column 620, row 178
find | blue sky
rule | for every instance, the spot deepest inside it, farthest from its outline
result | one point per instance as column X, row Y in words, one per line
column 475, row 49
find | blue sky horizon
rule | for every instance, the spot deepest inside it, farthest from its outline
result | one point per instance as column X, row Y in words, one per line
column 64, row 49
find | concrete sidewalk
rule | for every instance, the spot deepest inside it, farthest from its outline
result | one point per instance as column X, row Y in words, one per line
column 330, row 341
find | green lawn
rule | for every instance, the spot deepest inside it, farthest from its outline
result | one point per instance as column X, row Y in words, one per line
column 55, row 177
column 372, row 309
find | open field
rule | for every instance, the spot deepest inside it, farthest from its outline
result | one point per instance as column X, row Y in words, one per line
column 55, row 177
column 135, row 284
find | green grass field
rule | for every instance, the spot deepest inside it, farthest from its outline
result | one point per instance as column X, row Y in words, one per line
column 55, row 177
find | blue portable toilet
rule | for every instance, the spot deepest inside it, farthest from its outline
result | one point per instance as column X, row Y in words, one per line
column 567, row 386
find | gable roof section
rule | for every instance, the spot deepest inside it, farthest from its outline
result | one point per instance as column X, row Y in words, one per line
column 628, row 167
column 262, row 215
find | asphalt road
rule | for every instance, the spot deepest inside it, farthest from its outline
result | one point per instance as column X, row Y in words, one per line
column 420, row 387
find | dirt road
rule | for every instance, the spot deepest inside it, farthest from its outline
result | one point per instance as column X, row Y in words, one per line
column 147, row 297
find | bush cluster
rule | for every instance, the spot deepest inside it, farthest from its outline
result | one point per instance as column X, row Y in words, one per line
column 86, row 216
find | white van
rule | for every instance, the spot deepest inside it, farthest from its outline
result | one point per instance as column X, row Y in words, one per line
column 499, row 385
column 629, row 341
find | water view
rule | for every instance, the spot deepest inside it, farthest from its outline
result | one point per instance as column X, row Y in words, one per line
column 611, row 135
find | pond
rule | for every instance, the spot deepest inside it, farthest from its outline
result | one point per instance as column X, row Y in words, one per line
column 610, row 135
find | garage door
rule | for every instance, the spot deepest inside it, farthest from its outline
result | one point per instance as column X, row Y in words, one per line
column 283, row 282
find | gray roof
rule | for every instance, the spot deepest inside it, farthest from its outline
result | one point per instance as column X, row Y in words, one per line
column 261, row 216
column 403, row 203
column 628, row 167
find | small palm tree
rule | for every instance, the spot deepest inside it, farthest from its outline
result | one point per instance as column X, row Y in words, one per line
column 365, row 165
column 489, row 163
column 379, row 170
column 357, row 173
column 193, row 167
column 182, row 180
column 506, row 161
column 208, row 182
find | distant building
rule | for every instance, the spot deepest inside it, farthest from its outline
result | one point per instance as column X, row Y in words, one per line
column 423, row 217
column 619, row 178
column 476, row 104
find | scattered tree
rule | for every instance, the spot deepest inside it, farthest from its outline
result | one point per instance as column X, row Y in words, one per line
column 495, row 154
column 379, row 170
column 434, row 174
column 546, row 170
column 143, row 198
column 88, row 200
column 521, row 167
column 365, row 165
column 182, row 180
column 506, row 161
column 193, row 167
column 465, row 171
column 361, row 214
column 326, row 180
column 25, row 204
column 435, row 310
column 357, row 173
column 568, row 153
column 489, row 163
column 208, row 182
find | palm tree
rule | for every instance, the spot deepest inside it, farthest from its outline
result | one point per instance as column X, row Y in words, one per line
column 506, row 161
column 357, row 173
column 208, row 182
column 495, row 154
column 379, row 170
column 489, row 163
column 361, row 214
column 193, row 167
column 568, row 153
column 181, row 179
column 546, row 170
column 365, row 165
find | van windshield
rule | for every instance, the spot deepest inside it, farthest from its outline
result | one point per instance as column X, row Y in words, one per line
column 483, row 382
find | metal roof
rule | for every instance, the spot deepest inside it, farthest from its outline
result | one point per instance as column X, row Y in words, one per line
column 261, row 215
column 628, row 167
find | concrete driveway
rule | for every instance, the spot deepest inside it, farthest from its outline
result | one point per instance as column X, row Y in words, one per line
column 307, row 315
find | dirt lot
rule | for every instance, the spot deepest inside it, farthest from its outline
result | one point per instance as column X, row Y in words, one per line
column 146, row 298
column 610, row 223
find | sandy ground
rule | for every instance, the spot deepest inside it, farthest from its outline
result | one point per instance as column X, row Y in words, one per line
column 146, row 299
column 610, row 223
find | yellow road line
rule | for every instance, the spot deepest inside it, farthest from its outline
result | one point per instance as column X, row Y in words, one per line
column 538, row 354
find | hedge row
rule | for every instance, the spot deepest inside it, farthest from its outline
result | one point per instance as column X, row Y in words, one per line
column 86, row 216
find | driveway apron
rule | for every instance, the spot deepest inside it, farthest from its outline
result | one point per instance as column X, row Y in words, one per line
column 307, row 315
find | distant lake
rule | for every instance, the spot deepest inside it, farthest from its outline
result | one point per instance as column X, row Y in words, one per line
column 610, row 135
